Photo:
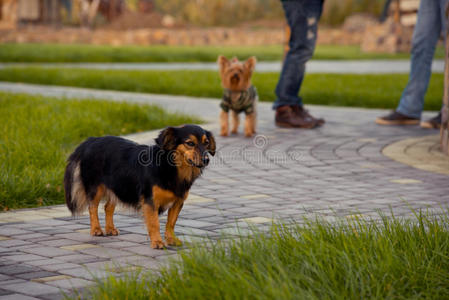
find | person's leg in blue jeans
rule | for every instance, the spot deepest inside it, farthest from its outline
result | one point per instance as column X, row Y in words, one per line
column 431, row 21
column 302, row 18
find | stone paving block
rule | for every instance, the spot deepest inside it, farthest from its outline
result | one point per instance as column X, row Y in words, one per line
column 58, row 242
column 17, row 269
column 51, row 278
column 57, row 296
column 48, row 251
column 51, row 222
column 31, row 288
column 191, row 231
column 4, row 292
column 105, row 252
column 30, row 236
column 193, row 223
column 12, row 281
column 76, row 236
column 135, row 260
column 34, row 275
column 16, row 296
column 11, row 231
column 73, row 283
column 25, row 257
column 103, row 265
column 120, row 244
column 139, row 229
column 136, row 238
column 59, row 266
column 78, row 247
column 77, row 258
column 85, row 273
column 147, row 251
column 257, row 220
column 4, row 277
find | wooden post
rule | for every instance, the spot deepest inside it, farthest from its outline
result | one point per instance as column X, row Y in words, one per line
column 444, row 131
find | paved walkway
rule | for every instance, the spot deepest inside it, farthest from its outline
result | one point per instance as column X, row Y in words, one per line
column 338, row 170
column 314, row 66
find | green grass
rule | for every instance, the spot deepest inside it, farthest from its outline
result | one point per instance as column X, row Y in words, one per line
column 354, row 259
column 90, row 53
column 37, row 135
column 372, row 91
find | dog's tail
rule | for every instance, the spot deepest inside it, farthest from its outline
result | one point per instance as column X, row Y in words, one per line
column 75, row 193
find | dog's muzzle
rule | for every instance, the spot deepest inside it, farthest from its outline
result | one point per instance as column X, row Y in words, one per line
column 204, row 162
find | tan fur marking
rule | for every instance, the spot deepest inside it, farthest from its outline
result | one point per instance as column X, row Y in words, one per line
column 193, row 138
column 95, row 228
column 151, row 217
column 172, row 217
column 185, row 170
column 162, row 197
column 224, row 121
column 109, row 208
column 203, row 139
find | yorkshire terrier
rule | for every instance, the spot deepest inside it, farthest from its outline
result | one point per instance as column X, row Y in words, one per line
column 239, row 95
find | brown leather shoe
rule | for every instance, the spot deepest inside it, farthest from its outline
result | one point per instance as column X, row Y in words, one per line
column 287, row 118
column 304, row 113
column 396, row 118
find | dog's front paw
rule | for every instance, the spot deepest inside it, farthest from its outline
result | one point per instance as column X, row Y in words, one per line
column 158, row 244
column 111, row 231
column 224, row 133
column 96, row 231
column 173, row 241
column 249, row 134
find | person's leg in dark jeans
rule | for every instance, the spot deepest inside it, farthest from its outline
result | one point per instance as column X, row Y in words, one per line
column 302, row 18
column 431, row 21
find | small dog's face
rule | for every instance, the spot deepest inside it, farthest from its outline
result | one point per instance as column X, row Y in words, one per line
column 190, row 143
column 236, row 75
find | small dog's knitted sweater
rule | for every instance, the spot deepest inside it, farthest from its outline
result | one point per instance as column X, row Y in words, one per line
column 244, row 103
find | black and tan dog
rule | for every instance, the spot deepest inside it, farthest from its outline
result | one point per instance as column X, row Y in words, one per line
column 151, row 178
column 239, row 95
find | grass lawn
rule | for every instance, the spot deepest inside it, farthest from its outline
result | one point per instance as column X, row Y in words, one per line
column 355, row 259
column 91, row 53
column 38, row 134
column 373, row 91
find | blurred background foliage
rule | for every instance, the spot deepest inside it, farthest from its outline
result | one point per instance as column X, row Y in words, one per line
column 231, row 12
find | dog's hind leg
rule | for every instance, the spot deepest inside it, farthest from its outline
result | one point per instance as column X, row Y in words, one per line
column 109, row 208
column 235, row 122
column 151, row 215
column 95, row 228
column 173, row 214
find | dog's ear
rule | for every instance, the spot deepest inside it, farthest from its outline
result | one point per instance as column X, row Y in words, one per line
column 167, row 139
column 250, row 64
column 223, row 62
column 212, row 146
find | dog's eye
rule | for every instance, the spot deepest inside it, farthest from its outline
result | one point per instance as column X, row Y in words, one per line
column 190, row 144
